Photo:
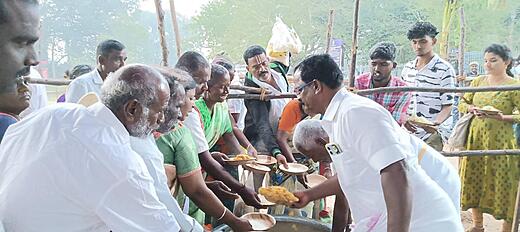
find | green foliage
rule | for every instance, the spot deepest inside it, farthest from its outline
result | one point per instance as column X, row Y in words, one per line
column 71, row 30
column 232, row 25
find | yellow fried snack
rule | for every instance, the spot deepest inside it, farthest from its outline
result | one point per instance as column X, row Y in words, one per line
column 422, row 120
column 489, row 108
column 278, row 195
column 241, row 157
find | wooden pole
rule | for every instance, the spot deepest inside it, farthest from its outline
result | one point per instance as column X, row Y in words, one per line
column 47, row 81
column 330, row 25
column 353, row 53
column 257, row 96
column 176, row 28
column 162, row 34
column 249, row 89
column 516, row 217
column 481, row 153
column 438, row 89
column 462, row 41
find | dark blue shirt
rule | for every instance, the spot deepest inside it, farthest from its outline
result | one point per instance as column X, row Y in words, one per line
column 5, row 121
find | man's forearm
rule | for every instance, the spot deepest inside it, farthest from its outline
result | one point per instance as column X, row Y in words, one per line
column 340, row 216
column 398, row 197
column 281, row 139
column 325, row 189
column 444, row 114
column 213, row 168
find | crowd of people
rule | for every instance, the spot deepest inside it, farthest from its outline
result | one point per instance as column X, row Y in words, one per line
column 134, row 147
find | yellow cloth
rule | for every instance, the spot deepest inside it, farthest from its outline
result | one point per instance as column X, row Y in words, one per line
column 490, row 183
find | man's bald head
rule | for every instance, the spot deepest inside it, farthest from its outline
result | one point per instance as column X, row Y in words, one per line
column 309, row 138
column 137, row 94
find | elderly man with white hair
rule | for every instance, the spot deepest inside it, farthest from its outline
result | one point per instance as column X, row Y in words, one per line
column 71, row 168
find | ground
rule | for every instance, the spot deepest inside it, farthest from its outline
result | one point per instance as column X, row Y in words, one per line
column 490, row 224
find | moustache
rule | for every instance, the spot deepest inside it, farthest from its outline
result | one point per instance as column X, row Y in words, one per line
column 24, row 72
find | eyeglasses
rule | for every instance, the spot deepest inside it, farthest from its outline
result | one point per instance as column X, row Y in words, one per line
column 300, row 88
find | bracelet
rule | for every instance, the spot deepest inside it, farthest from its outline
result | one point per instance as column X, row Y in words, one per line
column 223, row 214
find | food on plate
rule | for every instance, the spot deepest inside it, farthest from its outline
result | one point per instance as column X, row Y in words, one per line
column 490, row 108
column 278, row 195
column 241, row 157
column 421, row 120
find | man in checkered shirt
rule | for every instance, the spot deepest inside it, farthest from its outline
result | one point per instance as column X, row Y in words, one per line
column 429, row 70
column 382, row 57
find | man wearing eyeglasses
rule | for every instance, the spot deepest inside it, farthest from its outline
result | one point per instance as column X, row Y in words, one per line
column 262, row 116
column 382, row 63
column 111, row 56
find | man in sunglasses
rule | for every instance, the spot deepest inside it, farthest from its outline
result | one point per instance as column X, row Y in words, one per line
column 381, row 64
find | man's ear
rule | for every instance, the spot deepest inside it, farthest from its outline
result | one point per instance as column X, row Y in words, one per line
column 318, row 86
column 247, row 68
column 434, row 40
column 131, row 110
column 321, row 141
column 101, row 59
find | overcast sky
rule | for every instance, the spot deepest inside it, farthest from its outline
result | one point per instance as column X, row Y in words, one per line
column 187, row 8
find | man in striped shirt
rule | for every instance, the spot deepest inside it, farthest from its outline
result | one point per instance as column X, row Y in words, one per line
column 382, row 57
column 429, row 70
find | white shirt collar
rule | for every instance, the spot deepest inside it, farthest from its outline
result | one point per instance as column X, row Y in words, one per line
column 334, row 105
column 97, row 77
column 101, row 111
column 430, row 64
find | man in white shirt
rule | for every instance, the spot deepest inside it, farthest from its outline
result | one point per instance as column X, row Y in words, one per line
column 111, row 55
column 198, row 67
column 377, row 169
column 71, row 168
column 19, row 31
column 38, row 94
column 310, row 139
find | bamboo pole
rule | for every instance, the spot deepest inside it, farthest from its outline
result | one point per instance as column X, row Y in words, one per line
column 46, row 81
column 353, row 53
column 248, row 89
column 438, row 90
column 481, row 153
column 162, row 34
column 516, row 215
column 330, row 25
column 462, row 41
column 175, row 28
column 257, row 96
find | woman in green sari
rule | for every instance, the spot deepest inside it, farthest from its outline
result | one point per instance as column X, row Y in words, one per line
column 215, row 115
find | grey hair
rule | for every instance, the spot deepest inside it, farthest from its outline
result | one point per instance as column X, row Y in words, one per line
column 306, row 133
column 117, row 91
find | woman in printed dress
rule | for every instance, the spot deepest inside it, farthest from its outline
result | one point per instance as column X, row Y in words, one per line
column 489, row 183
